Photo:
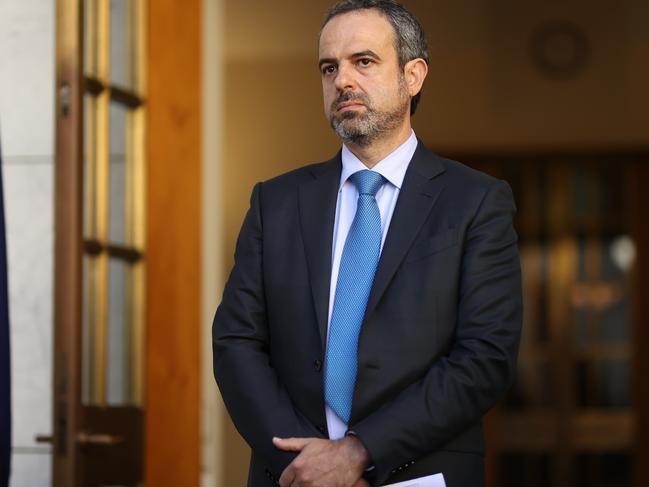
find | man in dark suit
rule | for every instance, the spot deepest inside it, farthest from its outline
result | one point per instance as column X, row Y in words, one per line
column 373, row 313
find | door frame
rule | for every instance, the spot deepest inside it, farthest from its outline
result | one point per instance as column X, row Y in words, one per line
column 67, row 242
column 173, row 209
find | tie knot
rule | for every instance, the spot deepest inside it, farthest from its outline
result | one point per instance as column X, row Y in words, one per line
column 367, row 182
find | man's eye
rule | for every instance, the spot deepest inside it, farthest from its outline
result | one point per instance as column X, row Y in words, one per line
column 328, row 69
column 365, row 62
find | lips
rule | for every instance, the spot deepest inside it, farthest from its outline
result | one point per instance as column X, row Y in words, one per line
column 348, row 104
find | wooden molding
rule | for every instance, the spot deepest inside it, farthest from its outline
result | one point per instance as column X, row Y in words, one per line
column 172, row 376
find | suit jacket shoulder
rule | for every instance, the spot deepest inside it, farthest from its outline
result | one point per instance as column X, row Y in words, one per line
column 302, row 174
column 456, row 171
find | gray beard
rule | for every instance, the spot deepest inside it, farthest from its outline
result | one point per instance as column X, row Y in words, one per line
column 361, row 129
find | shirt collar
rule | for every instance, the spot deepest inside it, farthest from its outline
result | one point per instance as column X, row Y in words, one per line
column 393, row 167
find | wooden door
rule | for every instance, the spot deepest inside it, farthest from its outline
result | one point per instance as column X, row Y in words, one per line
column 99, row 253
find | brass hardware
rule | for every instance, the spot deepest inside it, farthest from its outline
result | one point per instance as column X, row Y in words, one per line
column 64, row 100
column 44, row 439
column 98, row 439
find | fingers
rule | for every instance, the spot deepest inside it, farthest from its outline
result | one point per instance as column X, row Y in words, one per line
column 319, row 463
column 287, row 477
column 291, row 444
column 289, row 474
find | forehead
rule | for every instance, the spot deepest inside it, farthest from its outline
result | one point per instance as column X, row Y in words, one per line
column 357, row 31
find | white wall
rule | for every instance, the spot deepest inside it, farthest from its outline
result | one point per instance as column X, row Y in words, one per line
column 27, row 135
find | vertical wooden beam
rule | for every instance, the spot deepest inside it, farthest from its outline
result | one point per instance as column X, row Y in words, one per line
column 173, row 275
column 640, row 215
column 67, row 246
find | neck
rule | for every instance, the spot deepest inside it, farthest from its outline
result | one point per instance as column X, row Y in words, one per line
column 374, row 152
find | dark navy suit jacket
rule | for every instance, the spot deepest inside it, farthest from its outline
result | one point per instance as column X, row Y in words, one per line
column 439, row 341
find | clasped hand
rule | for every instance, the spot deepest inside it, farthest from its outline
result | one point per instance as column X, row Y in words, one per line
column 324, row 463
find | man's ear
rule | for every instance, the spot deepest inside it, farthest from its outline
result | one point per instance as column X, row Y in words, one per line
column 415, row 72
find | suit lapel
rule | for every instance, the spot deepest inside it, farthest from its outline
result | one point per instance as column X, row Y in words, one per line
column 317, row 208
column 418, row 194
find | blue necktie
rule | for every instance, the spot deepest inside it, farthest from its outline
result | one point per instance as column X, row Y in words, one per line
column 356, row 273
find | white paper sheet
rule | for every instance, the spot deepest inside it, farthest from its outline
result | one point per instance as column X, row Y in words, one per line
column 436, row 480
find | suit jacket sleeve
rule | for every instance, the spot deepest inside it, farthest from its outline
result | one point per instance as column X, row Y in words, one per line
column 478, row 369
column 256, row 400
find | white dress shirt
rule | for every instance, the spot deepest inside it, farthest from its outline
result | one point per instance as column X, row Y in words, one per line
column 393, row 169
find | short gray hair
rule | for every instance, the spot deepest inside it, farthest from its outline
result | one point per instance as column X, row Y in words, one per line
column 410, row 39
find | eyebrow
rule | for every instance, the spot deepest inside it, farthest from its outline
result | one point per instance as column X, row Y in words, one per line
column 366, row 53
column 356, row 55
column 327, row 60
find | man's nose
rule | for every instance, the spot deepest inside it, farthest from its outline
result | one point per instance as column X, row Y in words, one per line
column 344, row 78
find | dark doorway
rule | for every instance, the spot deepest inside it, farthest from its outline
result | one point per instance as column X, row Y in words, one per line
column 570, row 419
